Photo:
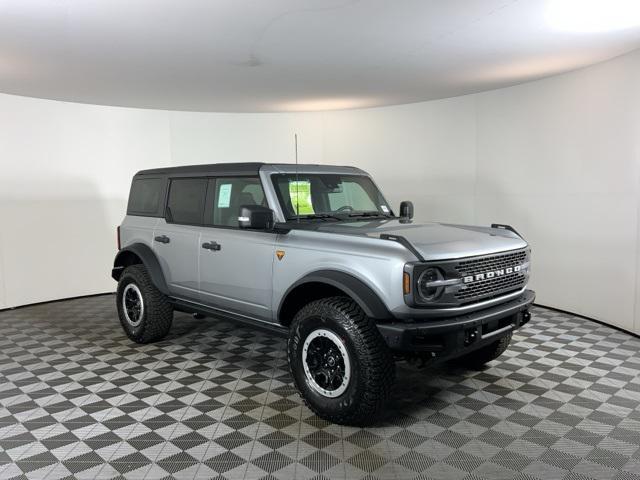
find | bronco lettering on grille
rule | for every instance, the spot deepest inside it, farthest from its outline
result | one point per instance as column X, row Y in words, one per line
column 491, row 274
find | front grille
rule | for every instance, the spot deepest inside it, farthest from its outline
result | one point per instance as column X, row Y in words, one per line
column 499, row 284
column 490, row 263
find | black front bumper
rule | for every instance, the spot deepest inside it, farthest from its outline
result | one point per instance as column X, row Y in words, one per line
column 456, row 336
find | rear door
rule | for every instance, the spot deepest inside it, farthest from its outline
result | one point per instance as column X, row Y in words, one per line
column 177, row 236
column 236, row 264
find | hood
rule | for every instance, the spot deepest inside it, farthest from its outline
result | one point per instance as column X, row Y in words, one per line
column 434, row 241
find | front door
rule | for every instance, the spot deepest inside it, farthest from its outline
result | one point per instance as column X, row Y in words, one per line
column 235, row 265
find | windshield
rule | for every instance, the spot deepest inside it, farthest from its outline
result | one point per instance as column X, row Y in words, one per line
column 329, row 196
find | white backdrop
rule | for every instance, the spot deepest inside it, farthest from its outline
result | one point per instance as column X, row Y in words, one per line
column 557, row 158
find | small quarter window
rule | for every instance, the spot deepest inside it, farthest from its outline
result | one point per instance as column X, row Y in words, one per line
column 145, row 196
column 186, row 200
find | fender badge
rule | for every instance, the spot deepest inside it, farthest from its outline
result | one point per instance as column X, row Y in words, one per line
column 280, row 254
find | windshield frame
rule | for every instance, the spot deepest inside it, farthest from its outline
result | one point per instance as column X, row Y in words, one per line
column 351, row 215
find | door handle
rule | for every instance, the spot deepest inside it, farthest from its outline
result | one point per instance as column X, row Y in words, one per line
column 162, row 239
column 212, row 246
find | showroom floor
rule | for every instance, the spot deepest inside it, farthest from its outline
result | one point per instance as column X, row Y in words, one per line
column 77, row 399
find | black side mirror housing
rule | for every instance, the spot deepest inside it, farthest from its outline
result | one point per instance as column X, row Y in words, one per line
column 256, row 217
column 406, row 209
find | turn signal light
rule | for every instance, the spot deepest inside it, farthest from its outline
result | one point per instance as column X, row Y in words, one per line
column 406, row 283
column 118, row 237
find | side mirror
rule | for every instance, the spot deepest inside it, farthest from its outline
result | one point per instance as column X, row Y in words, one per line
column 406, row 209
column 256, row 217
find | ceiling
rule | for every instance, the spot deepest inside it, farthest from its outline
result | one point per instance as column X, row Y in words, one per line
column 298, row 55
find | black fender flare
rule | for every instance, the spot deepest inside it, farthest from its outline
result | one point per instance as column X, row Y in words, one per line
column 148, row 259
column 358, row 290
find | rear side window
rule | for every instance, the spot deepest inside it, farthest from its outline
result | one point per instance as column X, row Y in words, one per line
column 186, row 200
column 145, row 196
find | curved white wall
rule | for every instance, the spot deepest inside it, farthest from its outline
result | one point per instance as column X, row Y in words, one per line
column 558, row 158
column 62, row 190
column 65, row 172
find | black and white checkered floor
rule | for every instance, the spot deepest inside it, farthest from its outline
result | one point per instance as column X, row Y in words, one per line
column 214, row 400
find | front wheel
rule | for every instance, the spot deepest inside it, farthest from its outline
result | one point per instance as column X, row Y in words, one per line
column 339, row 362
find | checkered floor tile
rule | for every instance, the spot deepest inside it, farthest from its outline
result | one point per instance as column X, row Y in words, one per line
column 214, row 400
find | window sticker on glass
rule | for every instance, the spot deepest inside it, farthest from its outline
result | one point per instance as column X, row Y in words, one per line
column 384, row 208
column 300, row 194
column 224, row 196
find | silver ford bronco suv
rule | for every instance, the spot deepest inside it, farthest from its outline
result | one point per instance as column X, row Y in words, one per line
column 316, row 253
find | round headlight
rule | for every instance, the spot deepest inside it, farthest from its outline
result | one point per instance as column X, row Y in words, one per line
column 429, row 291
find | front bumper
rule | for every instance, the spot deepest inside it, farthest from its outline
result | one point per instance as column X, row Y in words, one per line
column 456, row 336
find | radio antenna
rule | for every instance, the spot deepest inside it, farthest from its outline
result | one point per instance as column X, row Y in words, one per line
column 295, row 141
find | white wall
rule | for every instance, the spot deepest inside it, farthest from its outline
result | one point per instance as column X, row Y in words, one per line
column 63, row 185
column 65, row 172
column 424, row 152
column 557, row 158
column 560, row 158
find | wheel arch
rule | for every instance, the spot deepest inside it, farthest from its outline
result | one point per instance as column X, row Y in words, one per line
column 139, row 253
column 326, row 283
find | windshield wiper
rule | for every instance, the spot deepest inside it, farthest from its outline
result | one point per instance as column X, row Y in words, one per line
column 372, row 213
column 314, row 216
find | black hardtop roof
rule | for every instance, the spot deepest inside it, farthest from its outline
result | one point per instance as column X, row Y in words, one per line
column 226, row 168
column 248, row 168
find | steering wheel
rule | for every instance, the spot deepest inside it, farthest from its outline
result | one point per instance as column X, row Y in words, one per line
column 345, row 208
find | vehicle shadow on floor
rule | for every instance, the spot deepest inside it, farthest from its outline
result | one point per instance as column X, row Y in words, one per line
column 421, row 393
column 415, row 389
column 416, row 392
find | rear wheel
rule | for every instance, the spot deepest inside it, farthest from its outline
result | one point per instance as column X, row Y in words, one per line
column 145, row 313
column 478, row 358
column 339, row 362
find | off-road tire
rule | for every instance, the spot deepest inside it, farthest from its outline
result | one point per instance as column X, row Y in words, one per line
column 372, row 365
column 158, row 312
column 478, row 358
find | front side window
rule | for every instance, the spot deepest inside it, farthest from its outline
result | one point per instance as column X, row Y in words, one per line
column 307, row 195
column 231, row 193
column 186, row 200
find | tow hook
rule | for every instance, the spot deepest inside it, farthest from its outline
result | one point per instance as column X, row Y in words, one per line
column 470, row 336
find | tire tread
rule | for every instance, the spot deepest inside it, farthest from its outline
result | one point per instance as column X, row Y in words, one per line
column 375, row 359
column 158, row 310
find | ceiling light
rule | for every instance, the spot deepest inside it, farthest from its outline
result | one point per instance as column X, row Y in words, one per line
column 592, row 16
column 315, row 105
